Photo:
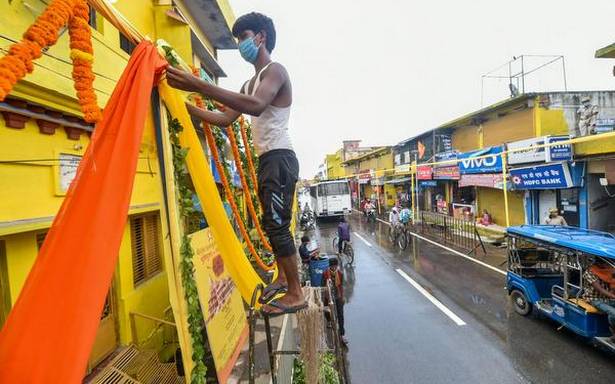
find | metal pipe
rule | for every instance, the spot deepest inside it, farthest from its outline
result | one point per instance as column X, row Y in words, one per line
column 41, row 116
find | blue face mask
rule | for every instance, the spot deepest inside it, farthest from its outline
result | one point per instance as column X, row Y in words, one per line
column 249, row 50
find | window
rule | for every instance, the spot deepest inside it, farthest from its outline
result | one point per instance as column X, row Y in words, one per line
column 126, row 45
column 313, row 192
column 146, row 247
column 331, row 189
column 92, row 20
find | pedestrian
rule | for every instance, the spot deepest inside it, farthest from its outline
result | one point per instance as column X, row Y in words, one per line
column 335, row 276
column 554, row 218
column 267, row 97
column 343, row 234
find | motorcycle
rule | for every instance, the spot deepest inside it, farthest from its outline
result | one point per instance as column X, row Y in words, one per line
column 307, row 221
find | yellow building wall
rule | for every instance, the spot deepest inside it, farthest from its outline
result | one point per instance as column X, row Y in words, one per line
column 550, row 122
column 466, row 139
column 492, row 200
column 21, row 251
column 28, row 198
column 515, row 126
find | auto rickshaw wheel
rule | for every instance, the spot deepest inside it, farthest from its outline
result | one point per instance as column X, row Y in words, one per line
column 520, row 303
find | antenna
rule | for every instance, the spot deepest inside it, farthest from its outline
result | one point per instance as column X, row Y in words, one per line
column 517, row 70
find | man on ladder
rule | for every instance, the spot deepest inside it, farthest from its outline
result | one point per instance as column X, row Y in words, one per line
column 267, row 97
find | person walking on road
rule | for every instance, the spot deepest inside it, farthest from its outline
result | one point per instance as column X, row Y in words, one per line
column 267, row 97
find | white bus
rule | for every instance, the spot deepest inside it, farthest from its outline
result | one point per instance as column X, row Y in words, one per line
column 330, row 198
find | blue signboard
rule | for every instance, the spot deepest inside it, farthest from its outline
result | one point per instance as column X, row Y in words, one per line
column 548, row 176
column 428, row 183
column 472, row 162
column 444, row 156
column 561, row 152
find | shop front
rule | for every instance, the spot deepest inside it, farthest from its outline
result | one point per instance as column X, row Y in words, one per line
column 480, row 186
column 554, row 185
column 600, row 185
column 441, row 196
column 552, row 181
column 424, row 177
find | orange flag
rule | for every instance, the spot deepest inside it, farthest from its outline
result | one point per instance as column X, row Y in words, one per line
column 49, row 333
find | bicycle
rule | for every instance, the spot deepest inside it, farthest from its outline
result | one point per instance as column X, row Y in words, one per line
column 347, row 250
column 398, row 235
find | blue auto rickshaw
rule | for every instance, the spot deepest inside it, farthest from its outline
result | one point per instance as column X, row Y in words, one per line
column 545, row 274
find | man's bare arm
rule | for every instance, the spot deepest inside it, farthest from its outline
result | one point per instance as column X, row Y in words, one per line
column 220, row 119
column 273, row 79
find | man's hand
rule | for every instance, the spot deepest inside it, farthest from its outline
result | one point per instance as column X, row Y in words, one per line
column 183, row 80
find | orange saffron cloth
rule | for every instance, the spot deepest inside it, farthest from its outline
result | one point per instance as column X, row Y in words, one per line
column 49, row 333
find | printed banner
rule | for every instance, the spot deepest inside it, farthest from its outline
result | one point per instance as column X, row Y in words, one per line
column 424, row 172
column 489, row 180
column 225, row 319
column 446, row 173
column 472, row 162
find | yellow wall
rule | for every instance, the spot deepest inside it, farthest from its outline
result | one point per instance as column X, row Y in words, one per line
column 466, row 139
column 334, row 165
column 28, row 197
column 515, row 126
column 492, row 200
column 550, row 122
column 384, row 161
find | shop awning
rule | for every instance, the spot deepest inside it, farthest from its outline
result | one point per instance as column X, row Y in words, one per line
column 398, row 181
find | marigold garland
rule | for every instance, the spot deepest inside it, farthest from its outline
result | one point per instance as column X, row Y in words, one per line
column 231, row 199
column 231, row 135
column 211, row 142
column 246, row 147
column 81, row 54
column 43, row 33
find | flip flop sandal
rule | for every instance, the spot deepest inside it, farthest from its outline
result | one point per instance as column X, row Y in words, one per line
column 284, row 309
column 272, row 291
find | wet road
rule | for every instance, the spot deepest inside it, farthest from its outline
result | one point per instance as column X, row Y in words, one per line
column 430, row 316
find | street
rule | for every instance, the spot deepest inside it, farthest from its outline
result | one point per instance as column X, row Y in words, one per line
column 439, row 318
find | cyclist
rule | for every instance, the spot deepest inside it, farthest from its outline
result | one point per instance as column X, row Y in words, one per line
column 405, row 216
column 343, row 232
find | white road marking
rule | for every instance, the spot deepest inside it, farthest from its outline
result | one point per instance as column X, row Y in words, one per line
column 460, row 254
column 362, row 239
column 430, row 297
column 453, row 251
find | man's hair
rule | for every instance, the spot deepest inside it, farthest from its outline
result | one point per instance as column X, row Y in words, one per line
column 256, row 22
column 305, row 239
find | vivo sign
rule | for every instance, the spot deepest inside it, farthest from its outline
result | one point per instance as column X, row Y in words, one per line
column 474, row 162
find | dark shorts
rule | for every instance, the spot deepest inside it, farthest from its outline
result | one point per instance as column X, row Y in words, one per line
column 278, row 172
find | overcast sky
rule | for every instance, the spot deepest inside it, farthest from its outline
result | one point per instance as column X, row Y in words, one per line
column 382, row 71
